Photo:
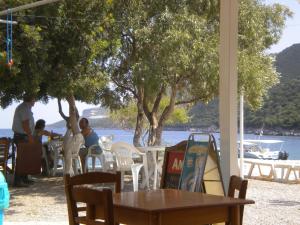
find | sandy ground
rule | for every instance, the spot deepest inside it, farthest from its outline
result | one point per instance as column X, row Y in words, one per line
column 44, row 204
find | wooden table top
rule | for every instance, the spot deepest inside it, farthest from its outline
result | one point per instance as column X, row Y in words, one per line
column 170, row 199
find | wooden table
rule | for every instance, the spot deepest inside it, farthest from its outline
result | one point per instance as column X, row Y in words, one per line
column 175, row 207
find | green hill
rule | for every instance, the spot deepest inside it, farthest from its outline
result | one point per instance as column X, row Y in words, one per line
column 281, row 110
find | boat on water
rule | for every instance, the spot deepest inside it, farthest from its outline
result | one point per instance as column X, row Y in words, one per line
column 264, row 149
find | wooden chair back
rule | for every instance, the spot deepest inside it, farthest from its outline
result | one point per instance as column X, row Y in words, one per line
column 87, row 179
column 4, row 151
column 238, row 184
column 94, row 200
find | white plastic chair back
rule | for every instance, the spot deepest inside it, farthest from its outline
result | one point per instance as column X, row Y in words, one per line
column 55, row 146
column 123, row 153
column 124, row 156
column 71, row 146
column 105, row 142
column 95, row 156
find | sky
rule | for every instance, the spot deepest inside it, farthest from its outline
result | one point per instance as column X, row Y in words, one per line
column 291, row 32
column 50, row 113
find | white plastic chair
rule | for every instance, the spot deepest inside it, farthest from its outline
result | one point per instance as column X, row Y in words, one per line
column 105, row 142
column 94, row 156
column 56, row 147
column 71, row 146
column 76, row 164
column 124, row 157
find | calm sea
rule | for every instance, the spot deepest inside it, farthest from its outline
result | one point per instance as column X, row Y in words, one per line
column 291, row 143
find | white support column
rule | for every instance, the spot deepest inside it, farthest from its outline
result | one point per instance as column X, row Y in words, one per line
column 228, row 88
column 242, row 135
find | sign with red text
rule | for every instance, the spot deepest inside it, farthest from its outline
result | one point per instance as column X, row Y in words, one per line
column 173, row 162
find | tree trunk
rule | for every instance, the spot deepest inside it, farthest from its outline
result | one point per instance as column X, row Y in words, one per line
column 73, row 115
column 153, row 130
column 139, row 125
column 71, row 101
column 73, row 138
column 157, row 124
column 158, row 137
column 155, row 134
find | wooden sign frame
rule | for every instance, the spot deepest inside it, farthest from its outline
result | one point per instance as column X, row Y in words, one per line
column 170, row 179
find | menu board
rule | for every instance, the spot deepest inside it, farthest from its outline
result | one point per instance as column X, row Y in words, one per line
column 173, row 162
column 212, row 179
column 194, row 165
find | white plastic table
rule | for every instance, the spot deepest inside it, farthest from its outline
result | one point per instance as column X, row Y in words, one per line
column 152, row 170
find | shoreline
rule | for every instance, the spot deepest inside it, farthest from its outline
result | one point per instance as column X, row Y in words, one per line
column 275, row 132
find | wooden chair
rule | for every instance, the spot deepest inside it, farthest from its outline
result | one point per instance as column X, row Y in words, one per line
column 94, row 199
column 87, row 179
column 4, row 151
column 238, row 184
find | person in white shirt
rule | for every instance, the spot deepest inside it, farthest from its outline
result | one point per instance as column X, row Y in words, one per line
column 23, row 126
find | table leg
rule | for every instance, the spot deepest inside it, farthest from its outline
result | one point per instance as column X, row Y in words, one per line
column 154, row 155
column 146, row 170
column 235, row 215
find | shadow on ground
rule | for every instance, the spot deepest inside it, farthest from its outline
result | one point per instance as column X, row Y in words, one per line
column 43, row 201
column 284, row 203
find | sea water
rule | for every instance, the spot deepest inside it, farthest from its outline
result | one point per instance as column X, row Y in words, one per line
column 291, row 143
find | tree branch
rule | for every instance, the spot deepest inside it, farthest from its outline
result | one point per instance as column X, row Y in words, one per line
column 146, row 107
column 124, row 87
column 73, row 114
column 66, row 118
column 169, row 109
column 124, row 66
column 158, row 99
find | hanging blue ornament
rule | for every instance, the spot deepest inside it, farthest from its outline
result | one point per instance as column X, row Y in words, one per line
column 9, row 38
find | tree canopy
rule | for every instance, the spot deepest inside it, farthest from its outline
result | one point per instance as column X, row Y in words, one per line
column 170, row 50
column 54, row 51
column 156, row 54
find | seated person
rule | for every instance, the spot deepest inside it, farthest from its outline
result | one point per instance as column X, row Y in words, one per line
column 39, row 131
column 90, row 138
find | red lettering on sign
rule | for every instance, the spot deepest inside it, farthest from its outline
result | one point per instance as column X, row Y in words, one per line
column 175, row 162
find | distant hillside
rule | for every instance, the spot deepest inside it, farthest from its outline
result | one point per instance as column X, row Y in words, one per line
column 98, row 118
column 280, row 112
column 281, row 109
column 95, row 113
column 288, row 62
